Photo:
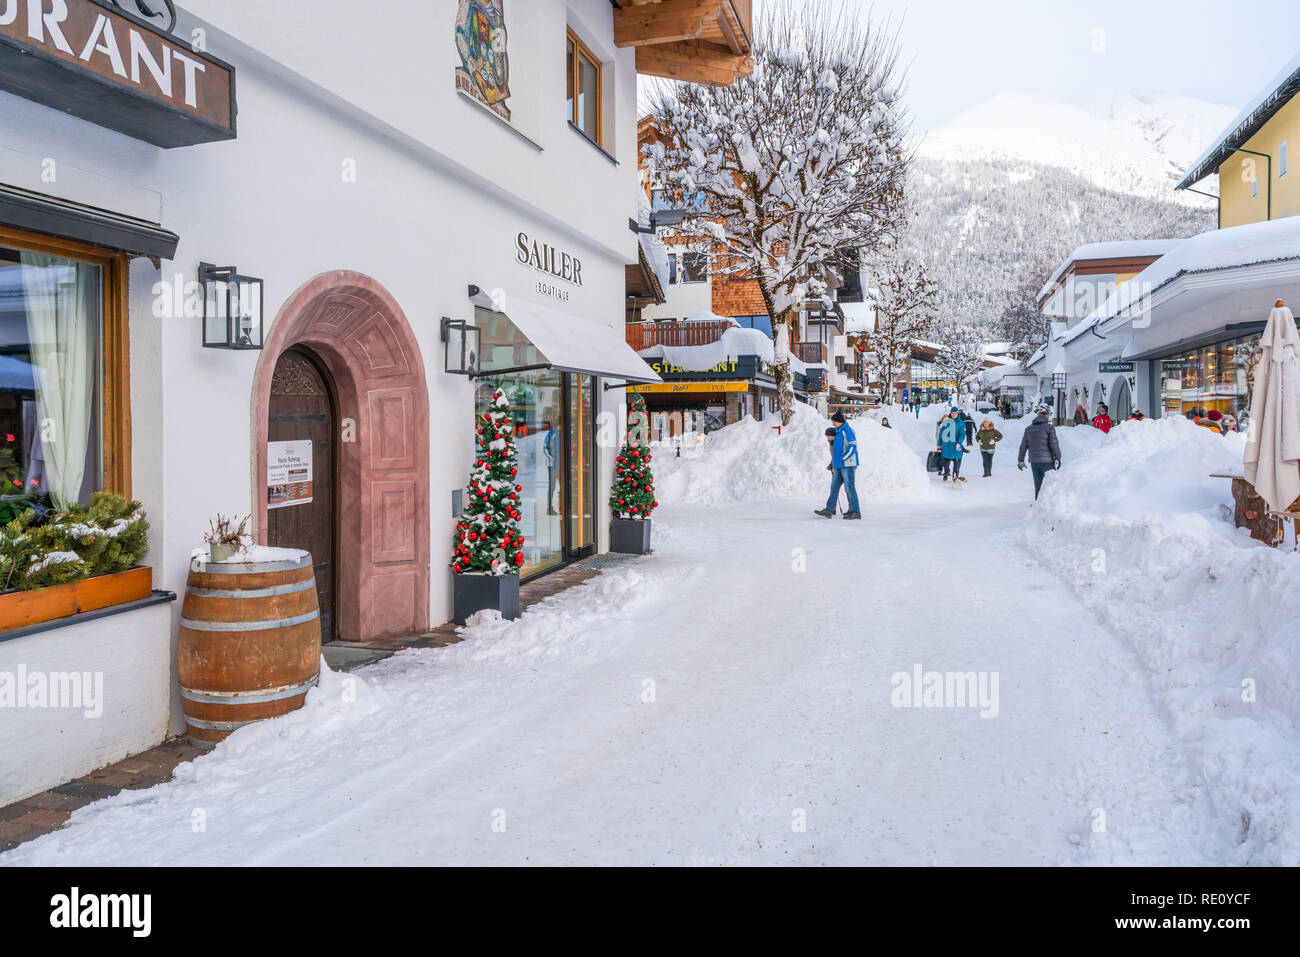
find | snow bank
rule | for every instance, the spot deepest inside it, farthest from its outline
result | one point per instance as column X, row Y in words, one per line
column 337, row 701
column 749, row 461
column 1144, row 535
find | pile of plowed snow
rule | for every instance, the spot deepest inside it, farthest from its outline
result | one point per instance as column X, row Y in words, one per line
column 1144, row 534
column 749, row 461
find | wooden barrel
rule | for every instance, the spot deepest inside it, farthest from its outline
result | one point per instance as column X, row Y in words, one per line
column 249, row 644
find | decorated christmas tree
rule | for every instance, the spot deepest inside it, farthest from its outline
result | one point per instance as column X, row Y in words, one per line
column 487, row 536
column 633, row 494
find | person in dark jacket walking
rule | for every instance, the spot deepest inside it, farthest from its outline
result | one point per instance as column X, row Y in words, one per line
column 969, row 421
column 1042, row 447
column 988, row 437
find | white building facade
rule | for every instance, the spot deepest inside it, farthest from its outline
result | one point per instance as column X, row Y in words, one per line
column 369, row 165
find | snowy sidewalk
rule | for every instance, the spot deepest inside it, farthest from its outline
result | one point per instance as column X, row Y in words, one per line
column 713, row 704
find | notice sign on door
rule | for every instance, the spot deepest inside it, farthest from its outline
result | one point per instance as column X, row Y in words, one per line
column 288, row 473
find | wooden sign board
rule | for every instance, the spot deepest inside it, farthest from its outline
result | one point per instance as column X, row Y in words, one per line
column 90, row 59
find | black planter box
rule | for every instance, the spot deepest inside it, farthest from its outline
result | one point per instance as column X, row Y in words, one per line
column 475, row 591
column 630, row 536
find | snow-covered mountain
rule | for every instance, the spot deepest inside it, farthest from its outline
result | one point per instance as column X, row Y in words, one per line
column 1007, row 189
column 1138, row 146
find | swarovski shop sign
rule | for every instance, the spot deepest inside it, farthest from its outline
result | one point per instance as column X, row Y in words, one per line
column 105, row 62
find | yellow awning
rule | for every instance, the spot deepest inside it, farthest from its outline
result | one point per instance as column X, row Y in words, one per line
column 685, row 387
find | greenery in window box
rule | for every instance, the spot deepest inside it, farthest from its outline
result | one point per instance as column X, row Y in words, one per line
column 110, row 535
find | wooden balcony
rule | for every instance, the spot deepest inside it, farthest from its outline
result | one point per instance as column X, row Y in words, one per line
column 643, row 335
column 697, row 41
column 809, row 352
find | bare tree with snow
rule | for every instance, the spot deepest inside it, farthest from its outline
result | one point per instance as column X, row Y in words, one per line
column 962, row 355
column 906, row 298
column 1022, row 323
column 797, row 166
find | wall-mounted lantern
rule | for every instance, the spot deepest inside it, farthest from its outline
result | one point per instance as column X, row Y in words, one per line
column 463, row 341
column 1059, row 381
column 232, row 308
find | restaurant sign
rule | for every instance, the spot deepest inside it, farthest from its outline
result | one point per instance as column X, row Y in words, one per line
column 117, row 70
column 742, row 367
column 690, row 388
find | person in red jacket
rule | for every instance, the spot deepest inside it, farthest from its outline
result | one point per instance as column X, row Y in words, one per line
column 1102, row 420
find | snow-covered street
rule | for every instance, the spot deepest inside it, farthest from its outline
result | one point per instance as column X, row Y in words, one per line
column 730, row 699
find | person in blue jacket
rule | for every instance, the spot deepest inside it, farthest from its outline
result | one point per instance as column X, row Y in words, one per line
column 951, row 445
column 844, row 467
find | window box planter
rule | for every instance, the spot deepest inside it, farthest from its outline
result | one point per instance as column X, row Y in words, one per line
column 476, row 591
column 21, row 608
column 631, row 536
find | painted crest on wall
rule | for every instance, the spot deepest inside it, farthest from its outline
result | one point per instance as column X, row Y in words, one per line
column 484, row 71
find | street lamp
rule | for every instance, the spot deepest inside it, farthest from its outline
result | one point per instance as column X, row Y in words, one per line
column 1059, row 378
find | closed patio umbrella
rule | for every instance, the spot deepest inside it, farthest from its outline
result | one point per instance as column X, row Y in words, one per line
column 1272, row 456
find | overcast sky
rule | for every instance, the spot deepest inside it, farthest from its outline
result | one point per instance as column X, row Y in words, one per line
column 961, row 52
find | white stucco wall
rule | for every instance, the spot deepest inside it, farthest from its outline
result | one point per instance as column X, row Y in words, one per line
column 126, row 656
column 681, row 301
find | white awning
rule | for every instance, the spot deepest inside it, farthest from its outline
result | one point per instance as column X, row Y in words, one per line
column 518, row 335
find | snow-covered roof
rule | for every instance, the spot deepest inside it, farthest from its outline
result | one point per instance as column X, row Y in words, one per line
column 995, row 376
column 1123, row 249
column 1273, row 241
column 859, row 317
column 1247, row 123
column 1037, row 357
column 706, row 315
column 734, row 343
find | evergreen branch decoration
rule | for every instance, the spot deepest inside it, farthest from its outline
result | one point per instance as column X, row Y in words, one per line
column 109, row 535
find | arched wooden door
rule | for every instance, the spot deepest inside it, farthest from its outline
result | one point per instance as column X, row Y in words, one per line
column 301, row 417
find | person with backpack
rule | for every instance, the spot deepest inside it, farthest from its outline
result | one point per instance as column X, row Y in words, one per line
column 988, row 437
column 844, row 467
column 951, row 445
column 1042, row 446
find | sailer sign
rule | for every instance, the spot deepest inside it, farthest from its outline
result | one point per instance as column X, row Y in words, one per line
column 89, row 59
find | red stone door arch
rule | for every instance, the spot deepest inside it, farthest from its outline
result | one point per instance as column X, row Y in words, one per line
column 357, row 330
